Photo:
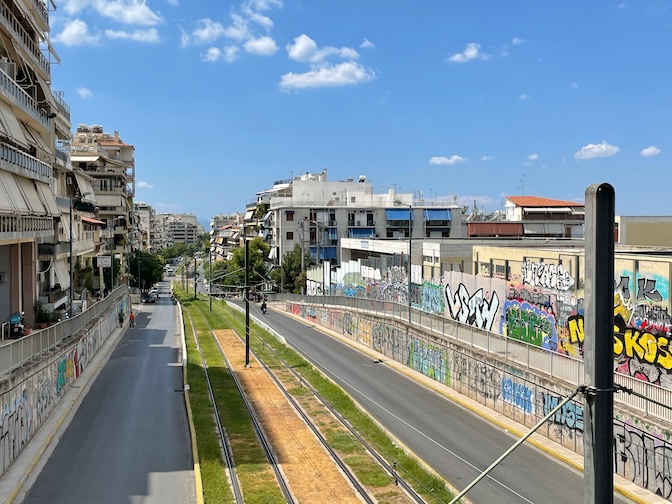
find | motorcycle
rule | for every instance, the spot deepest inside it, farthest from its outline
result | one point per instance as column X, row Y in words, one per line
column 263, row 308
column 16, row 325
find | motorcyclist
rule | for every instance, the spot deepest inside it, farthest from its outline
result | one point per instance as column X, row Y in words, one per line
column 263, row 306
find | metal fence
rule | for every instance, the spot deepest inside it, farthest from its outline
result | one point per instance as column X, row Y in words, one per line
column 563, row 367
column 16, row 353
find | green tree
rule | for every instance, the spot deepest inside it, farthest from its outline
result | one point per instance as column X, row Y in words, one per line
column 150, row 269
column 289, row 276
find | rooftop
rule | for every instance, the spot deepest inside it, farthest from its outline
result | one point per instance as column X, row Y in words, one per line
column 537, row 201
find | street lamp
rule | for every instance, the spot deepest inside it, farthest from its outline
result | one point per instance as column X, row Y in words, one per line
column 72, row 283
column 410, row 251
column 318, row 239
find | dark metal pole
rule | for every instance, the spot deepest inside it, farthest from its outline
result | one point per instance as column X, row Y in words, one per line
column 410, row 249
column 72, row 284
column 598, row 346
column 247, row 302
column 195, row 284
column 210, row 277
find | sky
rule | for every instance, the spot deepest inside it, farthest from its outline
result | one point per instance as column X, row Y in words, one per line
column 479, row 100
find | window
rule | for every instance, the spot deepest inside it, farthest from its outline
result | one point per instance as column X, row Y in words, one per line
column 353, row 199
column 290, row 235
column 289, row 215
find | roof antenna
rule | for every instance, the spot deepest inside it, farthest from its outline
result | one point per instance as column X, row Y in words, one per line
column 522, row 184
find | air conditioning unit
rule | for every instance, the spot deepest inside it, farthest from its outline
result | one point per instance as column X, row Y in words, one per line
column 41, row 276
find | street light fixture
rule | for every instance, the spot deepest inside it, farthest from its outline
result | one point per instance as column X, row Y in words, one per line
column 72, row 283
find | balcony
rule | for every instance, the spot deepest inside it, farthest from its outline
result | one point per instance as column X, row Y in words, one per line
column 20, row 163
column 363, row 223
column 40, row 10
column 23, row 100
column 13, row 227
column 13, row 25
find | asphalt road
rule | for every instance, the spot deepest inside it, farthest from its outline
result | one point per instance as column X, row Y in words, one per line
column 129, row 440
column 455, row 442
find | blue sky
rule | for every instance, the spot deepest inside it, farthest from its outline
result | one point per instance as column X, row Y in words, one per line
column 477, row 99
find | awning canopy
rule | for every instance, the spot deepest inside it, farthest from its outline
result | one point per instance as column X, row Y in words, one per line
column 62, row 273
column 89, row 220
column 249, row 214
column 437, row 215
column 34, row 138
column 14, row 201
column 267, row 215
column 48, row 198
column 333, row 233
column 85, row 187
column 109, row 200
column 11, row 125
column 83, row 159
column 547, row 209
column 398, row 214
column 544, row 228
column 361, row 233
column 273, row 253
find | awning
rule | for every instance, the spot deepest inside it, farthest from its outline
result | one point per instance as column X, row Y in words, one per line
column 14, row 202
column 35, row 139
column 248, row 215
column 30, row 194
column 398, row 214
column 362, row 232
column 74, row 158
column 437, row 215
column 85, row 187
column 48, row 199
column 62, row 273
column 544, row 228
column 11, row 125
column 109, row 200
column 89, row 220
column 328, row 253
column 333, row 233
column 267, row 215
column 547, row 210
column 273, row 253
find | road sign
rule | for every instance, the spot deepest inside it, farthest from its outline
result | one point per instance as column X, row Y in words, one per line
column 104, row 261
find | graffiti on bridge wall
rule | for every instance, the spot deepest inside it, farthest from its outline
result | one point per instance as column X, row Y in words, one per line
column 530, row 323
column 550, row 276
column 15, row 430
column 518, row 394
column 429, row 360
column 431, row 298
column 478, row 309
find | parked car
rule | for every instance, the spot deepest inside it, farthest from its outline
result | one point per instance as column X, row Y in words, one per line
column 149, row 298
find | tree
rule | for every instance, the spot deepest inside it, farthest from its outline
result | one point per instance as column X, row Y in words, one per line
column 290, row 275
column 232, row 272
column 151, row 269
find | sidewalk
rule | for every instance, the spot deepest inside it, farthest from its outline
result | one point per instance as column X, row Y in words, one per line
column 623, row 486
column 17, row 480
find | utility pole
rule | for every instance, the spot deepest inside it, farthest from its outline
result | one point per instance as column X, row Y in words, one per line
column 247, row 303
column 210, row 277
column 303, row 258
column 195, row 281
column 598, row 409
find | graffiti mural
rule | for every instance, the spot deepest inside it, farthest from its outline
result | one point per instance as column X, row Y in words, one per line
column 550, row 276
column 529, row 323
column 431, row 298
column 429, row 360
column 518, row 394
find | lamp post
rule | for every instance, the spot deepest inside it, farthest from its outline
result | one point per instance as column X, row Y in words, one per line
column 318, row 237
column 210, row 277
column 410, row 251
column 72, row 283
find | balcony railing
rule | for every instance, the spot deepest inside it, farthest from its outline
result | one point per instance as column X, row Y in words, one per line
column 41, row 10
column 12, row 24
column 20, row 163
column 22, row 99
column 62, row 107
column 361, row 223
column 20, row 226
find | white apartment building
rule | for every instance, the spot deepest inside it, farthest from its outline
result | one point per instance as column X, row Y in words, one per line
column 32, row 120
column 316, row 213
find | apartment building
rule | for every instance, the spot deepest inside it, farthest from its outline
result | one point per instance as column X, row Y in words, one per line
column 147, row 226
column 109, row 163
column 225, row 233
column 178, row 228
column 32, row 119
column 316, row 213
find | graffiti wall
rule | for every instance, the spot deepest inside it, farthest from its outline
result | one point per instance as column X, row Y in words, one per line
column 642, row 450
column 34, row 395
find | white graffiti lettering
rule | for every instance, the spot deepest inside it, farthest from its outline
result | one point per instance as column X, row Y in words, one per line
column 547, row 275
column 474, row 310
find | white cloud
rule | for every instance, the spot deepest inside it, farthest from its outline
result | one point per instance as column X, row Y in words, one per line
column 173, row 2
column 574, row 85
column 486, row 158
column 207, row 31
column 621, row 5
column 145, row 185
column 151, row 36
column 524, row 97
column 533, row 157
column 229, row 53
column 343, row 74
column 132, row 12
column 257, row 17
column 305, row 49
column 367, row 44
column 471, row 52
column 591, row 151
column 76, row 33
column 442, row 160
column 84, row 93
column 650, row 151
column 264, row 46
column 518, row 41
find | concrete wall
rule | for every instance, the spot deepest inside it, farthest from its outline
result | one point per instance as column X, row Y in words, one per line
column 642, row 448
column 28, row 398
